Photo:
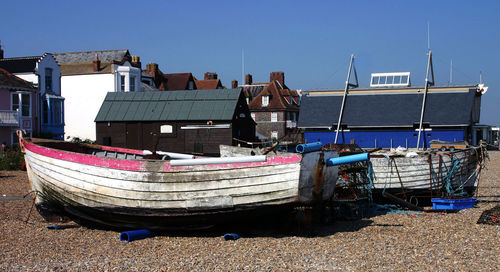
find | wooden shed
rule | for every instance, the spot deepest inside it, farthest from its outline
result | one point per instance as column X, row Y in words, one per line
column 188, row 121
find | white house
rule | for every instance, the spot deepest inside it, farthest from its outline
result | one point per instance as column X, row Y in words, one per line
column 86, row 77
column 44, row 72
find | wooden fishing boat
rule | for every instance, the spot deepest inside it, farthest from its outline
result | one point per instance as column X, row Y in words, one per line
column 427, row 174
column 121, row 188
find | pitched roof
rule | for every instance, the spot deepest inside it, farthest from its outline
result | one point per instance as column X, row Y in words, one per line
column 252, row 91
column 10, row 81
column 88, row 56
column 208, row 84
column 20, row 65
column 186, row 105
column 84, row 68
column 277, row 100
column 451, row 108
column 79, row 63
column 178, row 81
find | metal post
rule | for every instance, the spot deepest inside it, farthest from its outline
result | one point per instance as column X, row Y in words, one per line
column 429, row 68
column 344, row 98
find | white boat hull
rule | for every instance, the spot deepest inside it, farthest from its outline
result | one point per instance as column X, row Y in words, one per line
column 154, row 193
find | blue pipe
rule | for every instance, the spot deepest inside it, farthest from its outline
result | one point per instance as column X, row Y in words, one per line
column 304, row 148
column 133, row 235
column 348, row 159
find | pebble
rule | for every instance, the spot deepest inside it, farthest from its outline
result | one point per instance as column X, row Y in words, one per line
column 445, row 242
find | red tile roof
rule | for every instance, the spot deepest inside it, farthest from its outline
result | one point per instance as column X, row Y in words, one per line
column 10, row 81
column 208, row 84
column 177, row 81
column 279, row 99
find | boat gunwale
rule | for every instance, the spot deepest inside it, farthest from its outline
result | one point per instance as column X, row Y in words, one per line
column 147, row 165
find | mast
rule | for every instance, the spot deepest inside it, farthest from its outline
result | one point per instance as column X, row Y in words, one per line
column 347, row 85
column 428, row 83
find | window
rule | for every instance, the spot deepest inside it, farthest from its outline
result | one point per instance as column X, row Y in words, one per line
column 248, row 100
column 274, row 135
column 48, row 79
column 132, row 83
column 45, row 116
column 265, row 101
column 122, row 83
column 401, row 79
column 21, row 102
column 57, row 112
column 166, row 129
column 253, row 115
column 190, row 85
column 15, row 101
column 274, row 117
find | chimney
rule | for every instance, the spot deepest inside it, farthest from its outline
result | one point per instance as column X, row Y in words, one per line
column 136, row 62
column 97, row 63
column 209, row 75
column 152, row 68
column 248, row 79
column 1, row 52
column 278, row 76
column 234, row 84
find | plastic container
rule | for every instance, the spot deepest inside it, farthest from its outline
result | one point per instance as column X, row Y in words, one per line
column 453, row 204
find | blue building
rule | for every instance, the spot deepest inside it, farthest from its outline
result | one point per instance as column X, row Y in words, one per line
column 389, row 117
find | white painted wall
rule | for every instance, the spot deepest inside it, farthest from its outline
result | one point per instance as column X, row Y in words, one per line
column 31, row 77
column 84, row 95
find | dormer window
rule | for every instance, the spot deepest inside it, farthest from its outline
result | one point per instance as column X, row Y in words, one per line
column 48, row 79
column 190, row 85
column 265, row 101
column 122, row 83
column 132, row 83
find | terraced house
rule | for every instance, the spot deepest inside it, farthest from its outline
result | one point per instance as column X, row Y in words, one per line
column 44, row 73
column 18, row 107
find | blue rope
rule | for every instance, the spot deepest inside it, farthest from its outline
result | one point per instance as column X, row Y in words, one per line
column 449, row 189
column 368, row 187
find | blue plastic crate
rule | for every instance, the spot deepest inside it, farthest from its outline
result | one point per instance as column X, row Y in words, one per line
column 453, row 204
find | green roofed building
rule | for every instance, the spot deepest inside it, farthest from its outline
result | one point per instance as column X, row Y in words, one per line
column 188, row 121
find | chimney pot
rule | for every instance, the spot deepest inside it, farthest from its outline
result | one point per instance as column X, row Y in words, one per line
column 97, row 63
column 210, row 75
column 248, row 79
column 278, row 76
column 136, row 61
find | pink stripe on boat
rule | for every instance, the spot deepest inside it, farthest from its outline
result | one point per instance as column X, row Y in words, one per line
column 130, row 165
column 137, row 165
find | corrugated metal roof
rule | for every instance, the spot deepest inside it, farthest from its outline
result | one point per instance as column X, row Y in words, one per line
column 187, row 105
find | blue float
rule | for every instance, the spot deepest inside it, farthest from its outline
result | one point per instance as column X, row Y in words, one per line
column 304, row 148
column 231, row 236
column 348, row 159
column 133, row 235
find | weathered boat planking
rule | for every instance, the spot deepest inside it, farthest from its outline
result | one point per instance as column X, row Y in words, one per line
column 111, row 191
column 427, row 171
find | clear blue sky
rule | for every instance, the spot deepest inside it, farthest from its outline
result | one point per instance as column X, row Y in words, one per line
column 310, row 41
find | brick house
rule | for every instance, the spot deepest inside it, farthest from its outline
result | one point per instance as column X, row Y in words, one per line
column 273, row 106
